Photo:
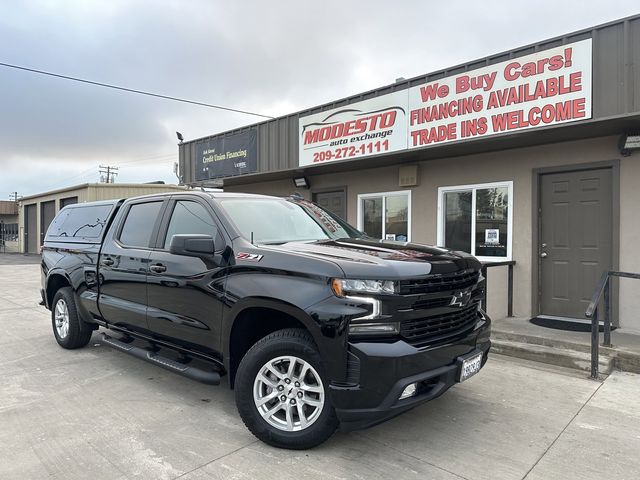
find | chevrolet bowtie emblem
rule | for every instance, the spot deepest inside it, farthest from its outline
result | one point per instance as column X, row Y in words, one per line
column 460, row 299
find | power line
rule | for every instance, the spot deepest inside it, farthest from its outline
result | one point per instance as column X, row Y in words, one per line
column 109, row 172
column 132, row 90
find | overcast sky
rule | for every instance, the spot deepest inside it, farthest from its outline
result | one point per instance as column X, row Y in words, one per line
column 271, row 57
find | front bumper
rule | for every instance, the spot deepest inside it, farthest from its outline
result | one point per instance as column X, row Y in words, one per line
column 386, row 369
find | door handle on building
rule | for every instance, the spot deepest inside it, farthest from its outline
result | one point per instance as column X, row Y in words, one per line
column 543, row 254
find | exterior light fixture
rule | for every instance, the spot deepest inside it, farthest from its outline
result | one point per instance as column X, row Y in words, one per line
column 629, row 142
column 180, row 137
column 301, row 182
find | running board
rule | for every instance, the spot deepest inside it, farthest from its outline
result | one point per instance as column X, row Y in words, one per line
column 197, row 374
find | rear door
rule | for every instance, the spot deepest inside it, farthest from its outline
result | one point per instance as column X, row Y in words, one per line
column 186, row 293
column 124, row 261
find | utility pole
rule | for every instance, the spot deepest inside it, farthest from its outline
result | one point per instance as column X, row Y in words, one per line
column 14, row 196
column 108, row 174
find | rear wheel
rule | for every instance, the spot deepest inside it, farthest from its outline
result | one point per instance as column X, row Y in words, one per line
column 68, row 328
column 281, row 394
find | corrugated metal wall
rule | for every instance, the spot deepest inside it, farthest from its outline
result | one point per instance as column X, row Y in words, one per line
column 616, row 91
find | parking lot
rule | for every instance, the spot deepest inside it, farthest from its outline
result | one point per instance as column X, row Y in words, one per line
column 97, row 413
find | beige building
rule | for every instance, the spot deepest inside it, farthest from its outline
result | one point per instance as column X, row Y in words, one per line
column 38, row 211
column 530, row 157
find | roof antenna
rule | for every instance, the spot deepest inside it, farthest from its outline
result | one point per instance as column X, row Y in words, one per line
column 252, row 239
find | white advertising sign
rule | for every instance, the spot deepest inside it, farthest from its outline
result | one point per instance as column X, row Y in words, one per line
column 537, row 90
column 545, row 88
column 370, row 127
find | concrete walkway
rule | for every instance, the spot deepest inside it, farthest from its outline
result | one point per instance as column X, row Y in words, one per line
column 96, row 413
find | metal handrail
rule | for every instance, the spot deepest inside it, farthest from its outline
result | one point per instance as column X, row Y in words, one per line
column 603, row 289
column 507, row 263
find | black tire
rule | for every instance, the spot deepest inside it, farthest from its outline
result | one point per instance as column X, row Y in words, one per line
column 78, row 333
column 289, row 342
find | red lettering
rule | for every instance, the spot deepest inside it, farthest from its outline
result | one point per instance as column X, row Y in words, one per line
column 462, row 84
column 556, row 63
column 549, row 113
column 388, row 119
column 383, row 120
column 568, row 53
column 511, row 72
column 311, row 136
column 575, row 82
column 431, row 90
column 437, row 134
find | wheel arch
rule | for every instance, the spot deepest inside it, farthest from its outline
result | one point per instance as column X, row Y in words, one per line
column 55, row 281
column 245, row 327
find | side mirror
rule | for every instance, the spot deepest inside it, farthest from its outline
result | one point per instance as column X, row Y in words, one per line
column 192, row 245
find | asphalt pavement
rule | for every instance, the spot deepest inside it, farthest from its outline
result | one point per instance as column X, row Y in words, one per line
column 97, row 413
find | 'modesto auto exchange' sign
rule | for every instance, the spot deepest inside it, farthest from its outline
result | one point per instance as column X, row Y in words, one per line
column 545, row 88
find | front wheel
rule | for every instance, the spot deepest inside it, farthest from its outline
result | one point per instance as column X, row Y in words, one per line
column 281, row 394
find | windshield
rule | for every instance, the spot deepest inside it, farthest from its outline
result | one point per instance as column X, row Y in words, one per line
column 278, row 220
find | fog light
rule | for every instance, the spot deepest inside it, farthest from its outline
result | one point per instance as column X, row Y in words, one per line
column 409, row 391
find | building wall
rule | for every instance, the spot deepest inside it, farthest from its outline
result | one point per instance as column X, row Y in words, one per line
column 516, row 165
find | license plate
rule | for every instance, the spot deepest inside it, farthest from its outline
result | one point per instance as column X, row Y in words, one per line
column 470, row 366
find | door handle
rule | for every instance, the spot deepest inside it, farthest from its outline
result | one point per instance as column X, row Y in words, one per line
column 544, row 254
column 107, row 262
column 159, row 268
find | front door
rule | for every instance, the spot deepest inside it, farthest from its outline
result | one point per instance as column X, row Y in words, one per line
column 335, row 202
column 575, row 244
column 185, row 294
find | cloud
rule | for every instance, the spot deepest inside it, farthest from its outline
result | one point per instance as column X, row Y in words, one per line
column 269, row 57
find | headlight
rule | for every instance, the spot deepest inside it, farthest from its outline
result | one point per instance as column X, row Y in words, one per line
column 343, row 287
column 373, row 323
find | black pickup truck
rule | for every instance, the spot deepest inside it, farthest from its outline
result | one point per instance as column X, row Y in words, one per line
column 315, row 324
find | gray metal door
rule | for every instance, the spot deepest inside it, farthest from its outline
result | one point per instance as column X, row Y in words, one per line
column 47, row 214
column 68, row 201
column 335, row 202
column 31, row 228
column 575, row 244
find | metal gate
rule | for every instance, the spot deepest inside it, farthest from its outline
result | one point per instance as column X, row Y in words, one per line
column 8, row 237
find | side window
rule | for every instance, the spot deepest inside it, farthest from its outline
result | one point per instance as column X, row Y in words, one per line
column 138, row 226
column 81, row 222
column 189, row 218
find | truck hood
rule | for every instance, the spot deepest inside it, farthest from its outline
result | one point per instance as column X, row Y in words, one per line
column 380, row 259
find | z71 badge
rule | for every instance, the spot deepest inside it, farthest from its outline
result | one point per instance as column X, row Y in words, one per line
column 250, row 257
